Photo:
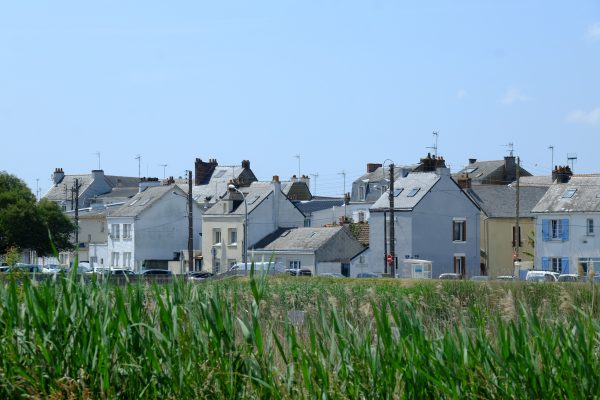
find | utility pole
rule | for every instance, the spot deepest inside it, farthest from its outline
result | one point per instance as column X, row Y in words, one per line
column 517, row 228
column 392, row 230
column 315, row 176
column 343, row 173
column 75, row 190
column 551, row 148
column 190, row 225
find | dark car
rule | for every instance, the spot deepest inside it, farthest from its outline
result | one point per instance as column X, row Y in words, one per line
column 299, row 271
column 161, row 272
column 198, row 275
column 121, row 272
column 368, row 275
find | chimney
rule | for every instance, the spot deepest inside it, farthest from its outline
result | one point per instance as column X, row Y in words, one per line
column 97, row 174
column 145, row 183
column 561, row 174
column 431, row 164
column 510, row 169
column 246, row 164
column 472, row 160
column 58, row 176
column 464, row 181
column 372, row 167
column 203, row 171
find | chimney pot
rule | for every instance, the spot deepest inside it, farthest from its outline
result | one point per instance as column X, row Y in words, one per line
column 276, row 178
column 472, row 160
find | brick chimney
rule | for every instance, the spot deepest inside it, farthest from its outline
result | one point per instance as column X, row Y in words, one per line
column 246, row 164
column 204, row 170
column 510, row 169
column 464, row 181
column 431, row 164
column 58, row 176
column 561, row 174
column 372, row 167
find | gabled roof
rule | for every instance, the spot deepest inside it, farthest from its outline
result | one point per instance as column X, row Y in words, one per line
column 255, row 194
column 580, row 194
column 142, row 201
column 57, row 192
column 299, row 239
column 409, row 190
column 492, row 172
column 534, row 181
column 311, row 206
column 498, row 201
column 384, row 173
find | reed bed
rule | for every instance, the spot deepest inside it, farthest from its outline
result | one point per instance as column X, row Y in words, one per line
column 296, row 338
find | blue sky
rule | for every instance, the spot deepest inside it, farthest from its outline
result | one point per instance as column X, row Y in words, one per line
column 340, row 83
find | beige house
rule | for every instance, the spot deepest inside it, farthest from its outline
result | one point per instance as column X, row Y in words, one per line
column 498, row 238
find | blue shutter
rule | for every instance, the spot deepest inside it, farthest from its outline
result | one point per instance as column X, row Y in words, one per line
column 545, row 229
column 545, row 263
column 564, row 224
column 565, row 265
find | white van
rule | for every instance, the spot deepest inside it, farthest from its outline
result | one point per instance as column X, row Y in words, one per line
column 541, row 276
column 259, row 266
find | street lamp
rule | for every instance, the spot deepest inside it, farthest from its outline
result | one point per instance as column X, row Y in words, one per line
column 189, row 201
column 232, row 187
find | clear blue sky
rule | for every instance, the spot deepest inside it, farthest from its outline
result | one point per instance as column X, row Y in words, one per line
column 341, row 83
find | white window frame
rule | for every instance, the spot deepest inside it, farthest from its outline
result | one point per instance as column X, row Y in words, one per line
column 217, row 237
column 127, row 259
column 126, row 231
column 555, row 264
column 295, row 264
column 462, row 236
column 114, row 259
column 362, row 193
column 230, row 233
column 555, row 229
column 115, row 232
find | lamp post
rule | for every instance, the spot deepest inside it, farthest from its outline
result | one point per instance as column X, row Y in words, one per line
column 189, row 201
column 232, row 187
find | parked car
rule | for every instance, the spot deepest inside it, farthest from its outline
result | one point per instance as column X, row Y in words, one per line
column 368, row 275
column 570, row 278
column 480, row 278
column 51, row 269
column 22, row 267
column 121, row 272
column 332, row 275
column 156, row 272
column 299, row 271
column 4, row 268
column 541, row 276
column 505, row 278
column 198, row 275
column 450, row 275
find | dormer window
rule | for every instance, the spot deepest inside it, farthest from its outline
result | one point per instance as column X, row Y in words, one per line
column 569, row 193
column 361, row 193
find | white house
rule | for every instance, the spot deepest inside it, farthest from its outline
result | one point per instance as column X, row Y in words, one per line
column 268, row 209
column 567, row 216
column 151, row 228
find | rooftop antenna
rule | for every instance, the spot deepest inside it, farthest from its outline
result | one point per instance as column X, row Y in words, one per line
column 98, row 154
column 298, row 157
column 315, row 176
column 571, row 157
column 511, row 148
column 551, row 148
column 139, row 158
column 164, row 170
column 435, row 144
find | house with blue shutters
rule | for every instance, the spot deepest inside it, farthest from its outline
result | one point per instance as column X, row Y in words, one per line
column 567, row 240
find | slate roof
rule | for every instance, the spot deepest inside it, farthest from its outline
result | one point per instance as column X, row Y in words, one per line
column 255, row 194
column 299, row 239
column 424, row 181
column 537, row 181
column 585, row 198
column 142, row 201
column 216, row 187
column 57, row 192
column 498, row 201
column 311, row 206
column 487, row 172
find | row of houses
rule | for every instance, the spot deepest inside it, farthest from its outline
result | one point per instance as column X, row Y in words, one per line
column 477, row 221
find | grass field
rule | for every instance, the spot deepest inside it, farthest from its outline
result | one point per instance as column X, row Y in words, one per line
column 299, row 338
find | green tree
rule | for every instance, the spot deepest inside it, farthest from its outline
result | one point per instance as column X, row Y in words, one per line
column 27, row 225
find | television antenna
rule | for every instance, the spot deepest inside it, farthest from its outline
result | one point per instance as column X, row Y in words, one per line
column 435, row 143
column 164, row 170
column 571, row 157
column 139, row 158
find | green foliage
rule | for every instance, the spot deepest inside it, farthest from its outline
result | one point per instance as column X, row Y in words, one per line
column 348, row 338
column 25, row 224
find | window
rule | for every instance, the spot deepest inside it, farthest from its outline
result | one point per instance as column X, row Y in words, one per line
column 459, row 230
column 127, row 259
column 295, row 264
column 556, row 264
column 361, row 216
column 361, row 193
column 459, row 264
column 115, row 232
column 569, row 193
column 216, row 266
column 216, row 236
column 555, row 229
column 232, row 236
column 231, row 262
column 590, row 226
column 398, row 191
column 114, row 259
column 413, row 192
column 587, row 265
column 514, row 237
column 126, row 231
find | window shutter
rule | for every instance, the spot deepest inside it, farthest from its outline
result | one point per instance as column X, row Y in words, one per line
column 545, row 229
column 564, row 224
column 514, row 242
column 545, row 263
column 565, row 265
column 465, row 231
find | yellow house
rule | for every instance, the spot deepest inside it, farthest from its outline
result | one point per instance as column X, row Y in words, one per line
column 498, row 221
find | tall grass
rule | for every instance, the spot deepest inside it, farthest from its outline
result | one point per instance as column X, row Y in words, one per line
column 297, row 338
